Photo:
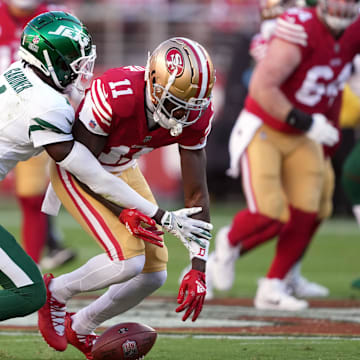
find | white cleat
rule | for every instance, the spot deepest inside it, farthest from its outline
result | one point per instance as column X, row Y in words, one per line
column 272, row 295
column 222, row 268
column 303, row 288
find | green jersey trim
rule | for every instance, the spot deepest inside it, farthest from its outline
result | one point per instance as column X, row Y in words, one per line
column 44, row 125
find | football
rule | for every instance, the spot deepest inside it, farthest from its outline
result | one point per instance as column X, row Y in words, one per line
column 124, row 341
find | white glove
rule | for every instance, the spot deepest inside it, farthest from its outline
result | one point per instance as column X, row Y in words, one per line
column 185, row 228
column 322, row 131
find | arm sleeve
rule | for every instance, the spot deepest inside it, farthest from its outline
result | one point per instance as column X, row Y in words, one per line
column 85, row 167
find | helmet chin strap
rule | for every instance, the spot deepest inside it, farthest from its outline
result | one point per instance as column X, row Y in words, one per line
column 160, row 118
column 52, row 71
column 176, row 130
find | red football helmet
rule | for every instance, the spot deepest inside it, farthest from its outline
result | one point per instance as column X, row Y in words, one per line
column 338, row 14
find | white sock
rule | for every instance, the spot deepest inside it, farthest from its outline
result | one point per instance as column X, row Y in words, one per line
column 294, row 272
column 118, row 299
column 98, row 273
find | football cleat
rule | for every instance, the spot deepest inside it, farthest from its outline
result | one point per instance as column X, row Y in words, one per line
column 51, row 319
column 83, row 342
column 303, row 288
column 56, row 258
column 222, row 268
column 272, row 295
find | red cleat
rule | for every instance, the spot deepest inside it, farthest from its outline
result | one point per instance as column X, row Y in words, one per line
column 84, row 343
column 51, row 319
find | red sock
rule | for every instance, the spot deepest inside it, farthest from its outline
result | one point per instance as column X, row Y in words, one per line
column 293, row 240
column 34, row 226
column 313, row 231
column 252, row 229
column 273, row 229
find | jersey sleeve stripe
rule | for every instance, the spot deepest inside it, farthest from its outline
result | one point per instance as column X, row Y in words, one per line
column 295, row 28
column 291, row 38
column 102, row 96
column 98, row 109
column 290, row 32
column 99, row 118
column 96, row 93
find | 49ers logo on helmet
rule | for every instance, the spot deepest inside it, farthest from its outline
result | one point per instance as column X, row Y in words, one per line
column 175, row 61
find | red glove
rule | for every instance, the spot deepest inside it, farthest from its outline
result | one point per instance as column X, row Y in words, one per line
column 133, row 220
column 194, row 284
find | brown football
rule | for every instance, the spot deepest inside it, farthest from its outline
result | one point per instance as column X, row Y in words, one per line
column 124, row 341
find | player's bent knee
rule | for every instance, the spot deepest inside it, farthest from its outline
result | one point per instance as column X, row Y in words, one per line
column 157, row 279
column 37, row 296
column 30, row 298
column 132, row 267
column 274, row 207
column 154, row 280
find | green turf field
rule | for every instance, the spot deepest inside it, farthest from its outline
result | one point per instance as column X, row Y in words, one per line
column 190, row 348
column 333, row 260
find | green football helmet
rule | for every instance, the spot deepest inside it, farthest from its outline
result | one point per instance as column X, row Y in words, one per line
column 60, row 46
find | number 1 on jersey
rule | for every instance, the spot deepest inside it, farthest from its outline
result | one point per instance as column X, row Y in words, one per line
column 116, row 93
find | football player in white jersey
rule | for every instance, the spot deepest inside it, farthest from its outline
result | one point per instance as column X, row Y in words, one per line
column 57, row 58
column 33, row 116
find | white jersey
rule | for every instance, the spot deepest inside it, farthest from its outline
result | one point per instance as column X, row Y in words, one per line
column 32, row 114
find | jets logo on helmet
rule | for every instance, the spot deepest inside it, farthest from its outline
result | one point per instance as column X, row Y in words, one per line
column 175, row 61
column 59, row 45
column 73, row 34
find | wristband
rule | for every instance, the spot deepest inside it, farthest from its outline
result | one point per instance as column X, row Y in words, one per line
column 197, row 251
column 299, row 119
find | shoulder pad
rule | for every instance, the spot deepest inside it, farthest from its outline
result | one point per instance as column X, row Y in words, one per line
column 292, row 26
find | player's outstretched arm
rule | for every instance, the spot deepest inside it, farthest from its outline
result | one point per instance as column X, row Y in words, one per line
column 192, row 290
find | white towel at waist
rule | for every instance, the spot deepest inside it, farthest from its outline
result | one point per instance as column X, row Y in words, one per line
column 51, row 204
column 243, row 131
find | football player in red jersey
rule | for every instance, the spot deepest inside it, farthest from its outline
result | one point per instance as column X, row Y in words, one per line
column 31, row 176
column 287, row 132
column 127, row 112
column 295, row 283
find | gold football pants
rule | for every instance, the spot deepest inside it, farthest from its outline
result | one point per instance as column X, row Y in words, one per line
column 31, row 176
column 102, row 224
column 280, row 169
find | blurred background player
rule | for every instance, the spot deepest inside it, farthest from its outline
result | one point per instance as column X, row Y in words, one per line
column 24, row 86
column 270, row 10
column 31, row 177
column 350, row 179
column 292, row 98
column 296, row 283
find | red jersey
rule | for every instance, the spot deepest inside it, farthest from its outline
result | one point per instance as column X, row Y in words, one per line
column 316, row 85
column 11, row 28
column 114, row 107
